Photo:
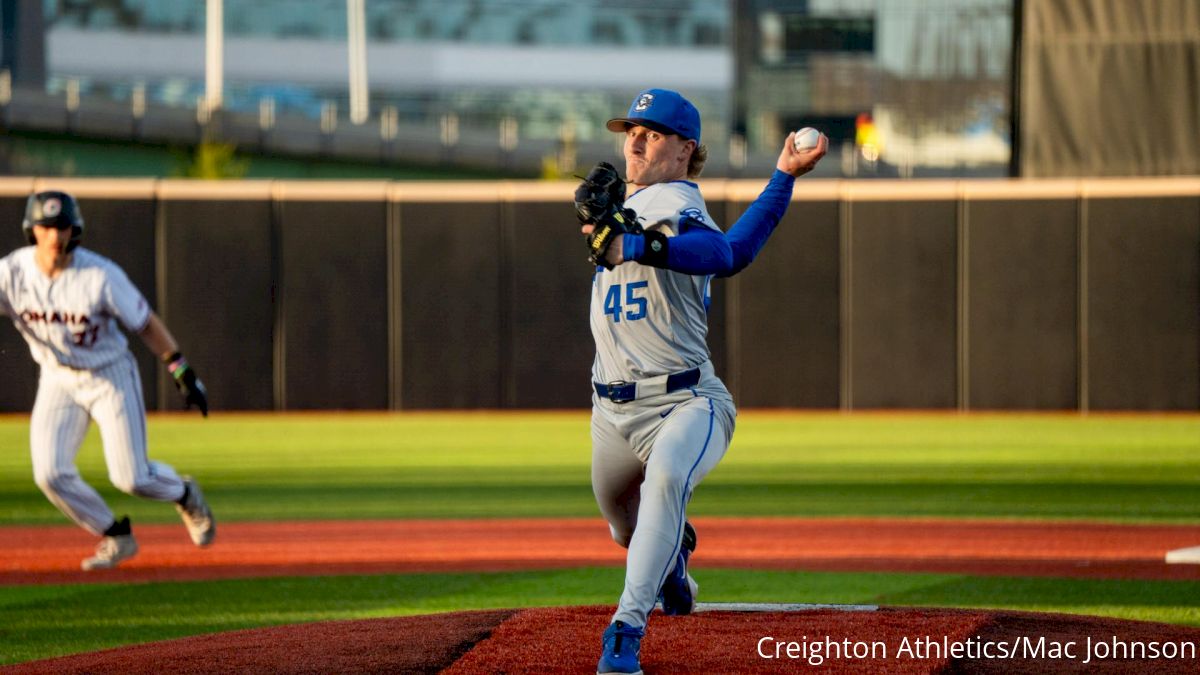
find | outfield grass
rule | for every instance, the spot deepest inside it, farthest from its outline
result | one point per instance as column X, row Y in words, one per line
column 276, row 467
column 264, row 467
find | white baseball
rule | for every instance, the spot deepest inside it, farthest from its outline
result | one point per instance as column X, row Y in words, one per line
column 806, row 139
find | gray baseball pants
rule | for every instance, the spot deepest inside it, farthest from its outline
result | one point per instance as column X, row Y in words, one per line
column 648, row 455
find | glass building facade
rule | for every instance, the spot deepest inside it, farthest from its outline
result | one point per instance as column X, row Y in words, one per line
column 902, row 87
column 488, row 36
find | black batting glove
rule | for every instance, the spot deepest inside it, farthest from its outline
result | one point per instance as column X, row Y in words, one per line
column 190, row 387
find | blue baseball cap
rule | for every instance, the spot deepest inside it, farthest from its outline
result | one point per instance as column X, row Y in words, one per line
column 662, row 110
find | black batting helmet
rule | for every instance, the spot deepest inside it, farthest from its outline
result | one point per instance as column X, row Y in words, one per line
column 55, row 209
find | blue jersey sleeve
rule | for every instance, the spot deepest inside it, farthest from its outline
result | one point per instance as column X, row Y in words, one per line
column 701, row 250
column 697, row 251
column 749, row 234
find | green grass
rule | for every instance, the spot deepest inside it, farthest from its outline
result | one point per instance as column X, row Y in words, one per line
column 263, row 467
column 274, row 467
column 45, row 621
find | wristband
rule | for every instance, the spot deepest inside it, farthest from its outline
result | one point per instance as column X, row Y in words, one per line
column 176, row 364
column 655, row 252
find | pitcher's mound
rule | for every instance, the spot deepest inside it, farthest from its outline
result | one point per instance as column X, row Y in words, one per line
column 718, row 639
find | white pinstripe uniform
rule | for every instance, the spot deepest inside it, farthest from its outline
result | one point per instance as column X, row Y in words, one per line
column 649, row 453
column 87, row 372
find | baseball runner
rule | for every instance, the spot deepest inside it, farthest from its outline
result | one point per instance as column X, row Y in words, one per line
column 66, row 302
column 661, row 418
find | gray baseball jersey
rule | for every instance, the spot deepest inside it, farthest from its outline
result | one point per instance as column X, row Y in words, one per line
column 650, row 326
column 648, row 321
column 87, row 372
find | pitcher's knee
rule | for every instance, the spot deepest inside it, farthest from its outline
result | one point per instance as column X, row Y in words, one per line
column 665, row 483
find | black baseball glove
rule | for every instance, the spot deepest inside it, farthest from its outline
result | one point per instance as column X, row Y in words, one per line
column 190, row 387
column 600, row 200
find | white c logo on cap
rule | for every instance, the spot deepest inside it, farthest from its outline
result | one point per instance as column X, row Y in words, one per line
column 51, row 207
column 644, row 102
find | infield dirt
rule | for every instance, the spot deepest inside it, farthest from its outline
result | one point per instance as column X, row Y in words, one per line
column 33, row 555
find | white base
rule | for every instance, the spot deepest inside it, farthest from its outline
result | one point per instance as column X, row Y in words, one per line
column 777, row 607
column 1185, row 555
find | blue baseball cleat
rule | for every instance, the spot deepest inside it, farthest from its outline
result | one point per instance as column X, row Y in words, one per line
column 678, row 594
column 622, row 646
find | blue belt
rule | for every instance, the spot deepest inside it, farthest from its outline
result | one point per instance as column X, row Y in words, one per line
column 624, row 392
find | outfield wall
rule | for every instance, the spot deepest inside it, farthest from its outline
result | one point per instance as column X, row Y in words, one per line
column 973, row 295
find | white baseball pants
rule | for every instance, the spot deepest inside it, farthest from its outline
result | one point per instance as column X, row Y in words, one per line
column 67, row 400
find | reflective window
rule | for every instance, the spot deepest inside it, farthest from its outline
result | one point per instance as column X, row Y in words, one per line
column 901, row 87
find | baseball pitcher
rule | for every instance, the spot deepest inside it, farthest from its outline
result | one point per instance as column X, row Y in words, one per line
column 67, row 302
column 661, row 418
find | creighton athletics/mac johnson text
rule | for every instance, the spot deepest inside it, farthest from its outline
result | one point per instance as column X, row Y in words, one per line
column 816, row 651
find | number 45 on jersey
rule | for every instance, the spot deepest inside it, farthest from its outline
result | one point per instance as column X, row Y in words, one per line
column 626, row 301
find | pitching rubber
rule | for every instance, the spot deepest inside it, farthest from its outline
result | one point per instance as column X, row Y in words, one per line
column 778, row 607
